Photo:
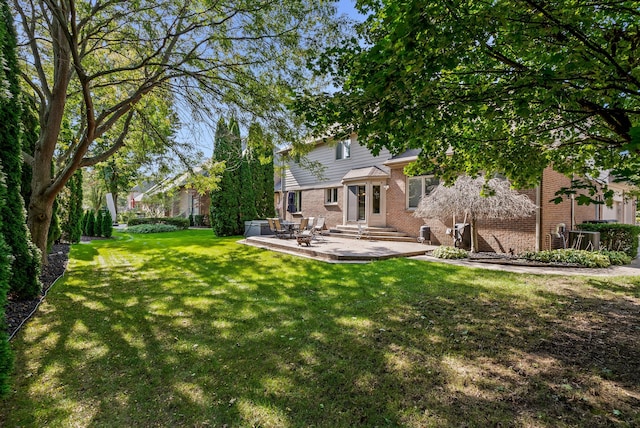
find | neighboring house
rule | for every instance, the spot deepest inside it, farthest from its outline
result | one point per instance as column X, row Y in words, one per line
column 359, row 188
column 171, row 198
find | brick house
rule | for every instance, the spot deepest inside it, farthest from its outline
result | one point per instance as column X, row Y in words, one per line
column 172, row 199
column 359, row 188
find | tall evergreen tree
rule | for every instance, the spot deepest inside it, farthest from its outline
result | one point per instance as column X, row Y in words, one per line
column 6, row 357
column 234, row 166
column 107, row 224
column 90, row 224
column 72, row 224
column 97, row 227
column 25, row 268
column 225, row 203
column 28, row 140
column 261, row 146
column 55, row 231
column 247, row 193
column 84, row 221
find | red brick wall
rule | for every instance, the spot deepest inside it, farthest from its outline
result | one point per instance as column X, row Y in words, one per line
column 553, row 214
column 313, row 206
column 397, row 214
column 509, row 236
column 494, row 235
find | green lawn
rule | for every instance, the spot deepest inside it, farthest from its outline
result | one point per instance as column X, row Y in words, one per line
column 184, row 329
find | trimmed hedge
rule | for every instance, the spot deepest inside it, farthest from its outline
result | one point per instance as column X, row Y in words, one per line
column 590, row 259
column 151, row 228
column 179, row 222
column 615, row 236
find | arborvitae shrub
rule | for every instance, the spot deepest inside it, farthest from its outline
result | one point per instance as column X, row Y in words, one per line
column 73, row 225
column 97, row 228
column 6, row 358
column 55, row 231
column 84, row 221
column 107, row 224
column 24, row 281
column 91, row 224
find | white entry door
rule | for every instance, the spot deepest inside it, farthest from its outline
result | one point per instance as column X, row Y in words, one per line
column 365, row 204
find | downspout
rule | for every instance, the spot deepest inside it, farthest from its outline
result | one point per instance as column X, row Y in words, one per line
column 572, row 212
column 539, row 217
column 282, row 207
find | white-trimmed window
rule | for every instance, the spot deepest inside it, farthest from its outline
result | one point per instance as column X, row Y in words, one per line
column 343, row 149
column 331, row 196
column 417, row 187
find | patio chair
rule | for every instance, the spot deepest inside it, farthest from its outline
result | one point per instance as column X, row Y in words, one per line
column 303, row 224
column 310, row 223
column 318, row 228
column 281, row 232
column 274, row 226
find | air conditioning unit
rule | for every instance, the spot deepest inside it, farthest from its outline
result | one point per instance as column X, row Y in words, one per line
column 583, row 240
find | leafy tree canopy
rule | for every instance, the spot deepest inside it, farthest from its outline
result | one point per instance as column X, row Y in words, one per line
column 509, row 86
column 108, row 66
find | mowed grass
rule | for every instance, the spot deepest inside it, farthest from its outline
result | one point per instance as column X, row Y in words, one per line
column 185, row 329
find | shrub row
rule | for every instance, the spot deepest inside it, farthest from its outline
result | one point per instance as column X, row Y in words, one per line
column 151, row 228
column 591, row 259
column 97, row 224
column 179, row 222
column 615, row 237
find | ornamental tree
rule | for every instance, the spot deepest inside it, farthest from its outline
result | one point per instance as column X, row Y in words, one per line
column 507, row 86
column 475, row 199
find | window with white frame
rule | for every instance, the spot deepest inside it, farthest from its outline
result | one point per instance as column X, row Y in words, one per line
column 331, row 195
column 343, row 149
column 419, row 187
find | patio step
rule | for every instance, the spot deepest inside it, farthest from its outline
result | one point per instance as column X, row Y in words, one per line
column 375, row 233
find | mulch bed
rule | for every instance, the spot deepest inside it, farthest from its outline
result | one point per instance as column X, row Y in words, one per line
column 19, row 310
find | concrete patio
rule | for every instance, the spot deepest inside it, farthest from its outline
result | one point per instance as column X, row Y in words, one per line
column 342, row 250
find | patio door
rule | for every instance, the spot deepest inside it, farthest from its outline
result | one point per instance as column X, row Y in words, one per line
column 356, row 203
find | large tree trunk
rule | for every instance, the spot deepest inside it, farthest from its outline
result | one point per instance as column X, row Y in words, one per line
column 43, row 187
column 39, row 219
column 40, row 207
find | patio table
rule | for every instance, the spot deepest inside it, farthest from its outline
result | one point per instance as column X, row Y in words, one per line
column 291, row 227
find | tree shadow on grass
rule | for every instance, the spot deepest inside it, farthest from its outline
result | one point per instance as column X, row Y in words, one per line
column 226, row 334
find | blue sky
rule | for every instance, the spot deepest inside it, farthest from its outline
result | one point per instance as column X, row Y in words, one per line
column 202, row 137
column 347, row 7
